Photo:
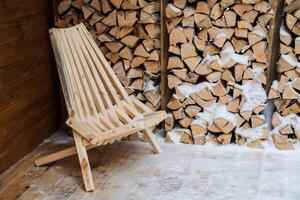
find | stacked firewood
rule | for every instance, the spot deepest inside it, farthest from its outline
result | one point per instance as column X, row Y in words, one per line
column 128, row 34
column 216, row 70
column 285, row 92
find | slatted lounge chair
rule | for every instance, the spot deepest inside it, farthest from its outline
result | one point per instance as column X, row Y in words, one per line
column 100, row 111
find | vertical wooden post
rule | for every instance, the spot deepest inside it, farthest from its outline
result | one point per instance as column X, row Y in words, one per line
column 274, row 42
column 273, row 53
column 165, row 91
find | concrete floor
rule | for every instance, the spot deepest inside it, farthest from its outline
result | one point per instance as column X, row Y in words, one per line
column 129, row 170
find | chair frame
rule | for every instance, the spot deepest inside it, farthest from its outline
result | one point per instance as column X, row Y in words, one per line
column 100, row 110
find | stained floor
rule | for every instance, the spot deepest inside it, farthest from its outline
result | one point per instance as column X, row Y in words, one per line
column 128, row 170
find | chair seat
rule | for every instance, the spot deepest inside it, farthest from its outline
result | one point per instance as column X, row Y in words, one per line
column 94, row 131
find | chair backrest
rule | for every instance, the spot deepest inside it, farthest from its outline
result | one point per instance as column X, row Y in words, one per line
column 89, row 84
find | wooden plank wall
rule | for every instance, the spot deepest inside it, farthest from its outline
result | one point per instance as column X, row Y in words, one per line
column 29, row 94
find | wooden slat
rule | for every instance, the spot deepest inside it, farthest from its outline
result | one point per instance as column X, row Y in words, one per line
column 74, row 76
column 94, row 50
column 67, row 100
column 105, row 121
column 79, row 71
column 70, row 82
column 87, row 67
column 96, row 77
column 123, row 116
column 112, row 77
column 142, row 107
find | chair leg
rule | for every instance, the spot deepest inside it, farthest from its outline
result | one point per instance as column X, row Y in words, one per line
column 84, row 163
column 55, row 156
column 152, row 141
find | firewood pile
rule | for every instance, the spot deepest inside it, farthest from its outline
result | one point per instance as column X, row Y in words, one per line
column 216, row 70
column 128, row 34
column 217, row 63
column 285, row 91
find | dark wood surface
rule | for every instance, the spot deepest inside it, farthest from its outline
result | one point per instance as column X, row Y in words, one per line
column 29, row 92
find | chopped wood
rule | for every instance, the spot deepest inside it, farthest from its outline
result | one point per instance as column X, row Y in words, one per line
column 175, row 62
column 169, row 122
column 96, row 5
column 172, row 11
column 87, row 11
column 63, row 6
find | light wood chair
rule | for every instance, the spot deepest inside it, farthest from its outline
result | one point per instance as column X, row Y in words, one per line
column 100, row 111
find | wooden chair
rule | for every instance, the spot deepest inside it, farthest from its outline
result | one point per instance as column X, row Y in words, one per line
column 100, row 111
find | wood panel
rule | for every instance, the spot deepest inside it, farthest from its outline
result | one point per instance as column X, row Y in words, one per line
column 16, row 72
column 22, row 90
column 40, row 124
column 23, row 28
column 14, row 9
column 29, row 94
column 31, row 102
column 16, row 51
